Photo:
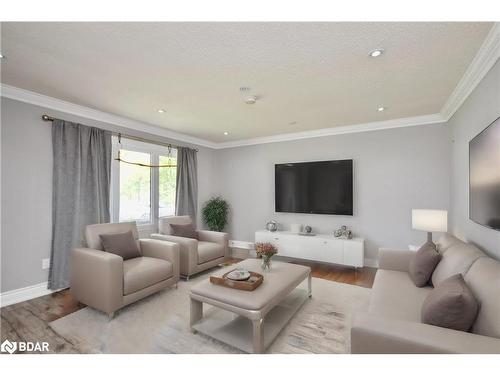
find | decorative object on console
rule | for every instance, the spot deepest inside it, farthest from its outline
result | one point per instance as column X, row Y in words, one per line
column 272, row 226
column 295, row 228
column 215, row 214
column 429, row 221
column 266, row 251
column 308, row 229
column 343, row 232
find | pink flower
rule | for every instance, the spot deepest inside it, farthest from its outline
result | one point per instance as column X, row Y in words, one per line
column 265, row 249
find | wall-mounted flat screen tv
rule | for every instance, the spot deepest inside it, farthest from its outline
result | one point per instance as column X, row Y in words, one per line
column 323, row 187
column 484, row 177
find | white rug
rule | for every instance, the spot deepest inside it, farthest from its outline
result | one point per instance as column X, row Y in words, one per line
column 160, row 324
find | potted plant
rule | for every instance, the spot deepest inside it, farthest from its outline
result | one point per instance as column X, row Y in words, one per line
column 266, row 251
column 215, row 214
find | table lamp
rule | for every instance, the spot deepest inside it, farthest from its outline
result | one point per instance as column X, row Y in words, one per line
column 429, row 221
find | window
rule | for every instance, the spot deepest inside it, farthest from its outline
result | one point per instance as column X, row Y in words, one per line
column 135, row 188
column 167, row 181
column 143, row 194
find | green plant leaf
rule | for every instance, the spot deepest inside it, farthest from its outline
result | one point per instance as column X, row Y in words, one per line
column 215, row 214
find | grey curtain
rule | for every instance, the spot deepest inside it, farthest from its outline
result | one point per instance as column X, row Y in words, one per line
column 186, row 200
column 81, row 190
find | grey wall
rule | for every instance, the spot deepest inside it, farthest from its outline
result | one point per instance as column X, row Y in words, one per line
column 26, row 193
column 394, row 171
column 480, row 109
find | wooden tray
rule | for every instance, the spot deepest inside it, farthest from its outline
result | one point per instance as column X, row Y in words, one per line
column 251, row 284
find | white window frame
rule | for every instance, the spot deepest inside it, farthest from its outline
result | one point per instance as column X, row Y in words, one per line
column 155, row 151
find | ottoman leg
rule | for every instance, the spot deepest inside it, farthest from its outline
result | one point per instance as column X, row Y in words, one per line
column 258, row 336
column 196, row 312
column 309, row 285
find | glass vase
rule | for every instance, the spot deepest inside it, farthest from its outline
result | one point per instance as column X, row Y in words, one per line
column 266, row 264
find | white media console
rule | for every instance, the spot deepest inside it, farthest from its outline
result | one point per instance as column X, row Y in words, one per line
column 320, row 247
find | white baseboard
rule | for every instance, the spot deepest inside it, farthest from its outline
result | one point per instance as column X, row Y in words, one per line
column 23, row 294
column 371, row 262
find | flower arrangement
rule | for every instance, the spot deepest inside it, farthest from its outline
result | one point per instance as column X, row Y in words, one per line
column 266, row 251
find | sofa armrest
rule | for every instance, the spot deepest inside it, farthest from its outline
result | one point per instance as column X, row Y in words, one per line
column 162, row 250
column 97, row 278
column 188, row 251
column 221, row 238
column 379, row 335
column 395, row 260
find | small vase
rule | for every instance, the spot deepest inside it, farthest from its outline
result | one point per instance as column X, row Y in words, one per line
column 266, row 264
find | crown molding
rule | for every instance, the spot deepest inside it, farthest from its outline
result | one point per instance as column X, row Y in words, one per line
column 93, row 114
column 358, row 128
column 485, row 58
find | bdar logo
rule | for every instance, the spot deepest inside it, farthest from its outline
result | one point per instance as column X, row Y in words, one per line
column 9, row 347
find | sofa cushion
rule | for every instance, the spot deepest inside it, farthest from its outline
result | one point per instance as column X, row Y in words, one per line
column 139, row 273
column 395, row 296
column 184, row 230
column 423, row 264
column 457, row 258
column 208, row 251
column 164, row 224
column 483, row 278
column 121, row 244
column 450, row 305
column 446, row 241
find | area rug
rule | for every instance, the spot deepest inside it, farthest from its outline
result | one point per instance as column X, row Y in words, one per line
column 160, row 324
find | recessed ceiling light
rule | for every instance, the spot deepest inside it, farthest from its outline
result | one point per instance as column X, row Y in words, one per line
column 2, row 56
column 376, row 52
column 161, row 111
column 226, row 133
column 251, row 99
column 381, row 109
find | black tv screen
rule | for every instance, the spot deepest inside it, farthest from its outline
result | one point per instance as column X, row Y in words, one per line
column 484, row 177
column 323, row 187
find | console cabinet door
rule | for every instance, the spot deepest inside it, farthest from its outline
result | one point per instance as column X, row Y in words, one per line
column 333, row 251
column 354, row 253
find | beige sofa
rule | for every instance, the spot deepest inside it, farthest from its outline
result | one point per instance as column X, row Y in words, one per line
column 106, row 282
column 393, row 325
column 210, row 249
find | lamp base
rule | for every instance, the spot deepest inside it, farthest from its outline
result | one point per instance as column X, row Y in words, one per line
column 429, row 236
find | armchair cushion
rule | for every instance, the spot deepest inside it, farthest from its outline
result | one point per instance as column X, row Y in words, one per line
column 208, row 251
column 141, row 272
column 184, row 230
column 122, row 244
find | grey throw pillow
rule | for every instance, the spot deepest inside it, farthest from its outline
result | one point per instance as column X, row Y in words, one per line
column 184, row 230
column 122, row 244
column 423, row 264
column 450, row 305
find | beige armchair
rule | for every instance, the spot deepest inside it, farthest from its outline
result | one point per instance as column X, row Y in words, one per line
column 107, row 283
column 210, row 249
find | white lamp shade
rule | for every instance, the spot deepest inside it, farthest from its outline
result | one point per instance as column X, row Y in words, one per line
column 429, row 220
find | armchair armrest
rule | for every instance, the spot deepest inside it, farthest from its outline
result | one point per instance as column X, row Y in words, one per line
column 375, row 334
column 221, row 238
column 395, row 260
column 97, row 278
column 162, row 250
column 188, row 251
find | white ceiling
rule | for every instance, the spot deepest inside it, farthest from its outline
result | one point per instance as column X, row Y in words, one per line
column 317, row 75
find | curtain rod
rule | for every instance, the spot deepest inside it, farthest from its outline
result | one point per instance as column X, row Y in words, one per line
column 132, row 137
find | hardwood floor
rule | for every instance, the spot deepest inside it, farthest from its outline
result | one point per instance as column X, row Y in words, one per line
column 29, row 320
